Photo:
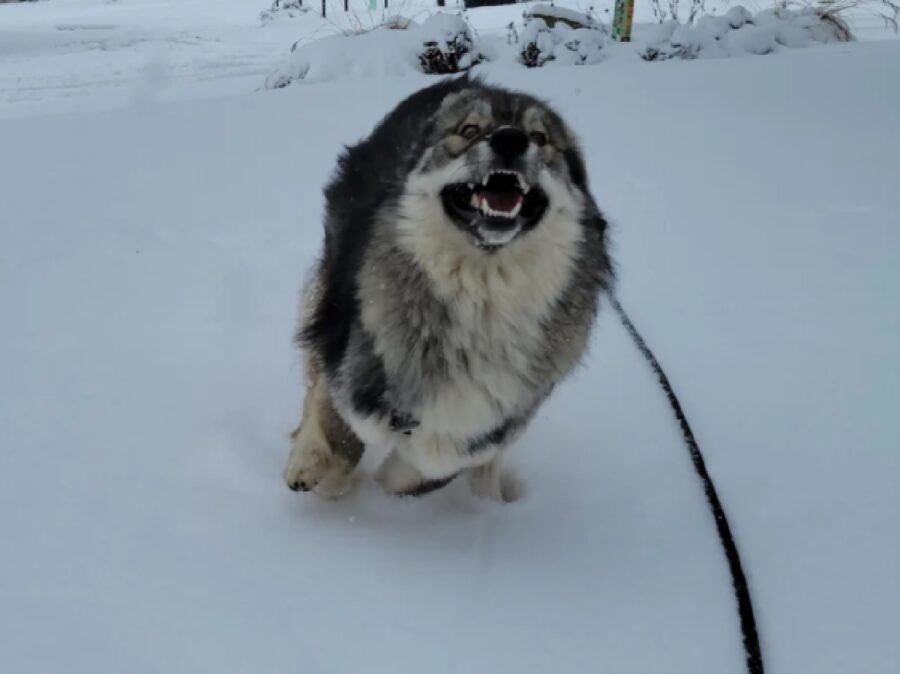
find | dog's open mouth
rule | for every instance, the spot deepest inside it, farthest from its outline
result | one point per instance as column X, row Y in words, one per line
column 497, row 209
column 500, row 194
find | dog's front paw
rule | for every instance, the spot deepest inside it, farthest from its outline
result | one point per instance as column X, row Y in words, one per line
column 313, row 466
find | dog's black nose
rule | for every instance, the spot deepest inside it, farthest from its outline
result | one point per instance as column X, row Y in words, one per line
column 509, row 143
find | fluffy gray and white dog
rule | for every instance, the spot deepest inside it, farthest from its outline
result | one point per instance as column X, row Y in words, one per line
column 462, row 265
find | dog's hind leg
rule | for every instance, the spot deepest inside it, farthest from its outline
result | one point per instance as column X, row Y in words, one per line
column 325, row 450
column 398, row 476
column 490, row 481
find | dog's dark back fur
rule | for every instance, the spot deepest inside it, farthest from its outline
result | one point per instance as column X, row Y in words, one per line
column 373, row 172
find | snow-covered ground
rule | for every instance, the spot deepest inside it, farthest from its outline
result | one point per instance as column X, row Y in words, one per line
column 151, row 253
column 79, row 55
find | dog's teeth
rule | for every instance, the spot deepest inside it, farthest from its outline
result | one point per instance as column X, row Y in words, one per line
column 487, row 210
column 523, row 185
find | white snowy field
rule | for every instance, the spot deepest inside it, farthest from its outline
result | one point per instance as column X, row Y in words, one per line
column 79, row 55
column 151, row 253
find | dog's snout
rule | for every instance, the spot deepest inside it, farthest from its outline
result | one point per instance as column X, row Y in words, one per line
column 509, row 142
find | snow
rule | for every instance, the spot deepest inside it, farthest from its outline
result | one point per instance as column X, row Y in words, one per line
column 382, row 51
column 563, row 13
column 85, row 55
column 534, row 43
column 151, row 254
column 541, row 45
column 378, row 53
column 736, row 33
column 284, row 9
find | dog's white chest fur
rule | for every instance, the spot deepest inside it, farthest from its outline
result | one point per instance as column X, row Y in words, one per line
column 495, row 305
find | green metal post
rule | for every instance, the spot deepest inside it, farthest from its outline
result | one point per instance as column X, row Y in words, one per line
column 622, row 19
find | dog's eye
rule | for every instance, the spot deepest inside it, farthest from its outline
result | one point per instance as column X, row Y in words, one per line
column 469, row 131
column 538, row 138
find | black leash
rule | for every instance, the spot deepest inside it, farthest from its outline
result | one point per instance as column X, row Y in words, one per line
column 738, row 580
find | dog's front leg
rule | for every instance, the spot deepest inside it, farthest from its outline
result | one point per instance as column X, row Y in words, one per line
column 325, row 450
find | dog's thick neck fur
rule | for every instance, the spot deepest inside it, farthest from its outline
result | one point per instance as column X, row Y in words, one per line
column 474, row 336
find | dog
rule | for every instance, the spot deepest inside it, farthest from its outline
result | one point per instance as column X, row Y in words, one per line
column 463, row 262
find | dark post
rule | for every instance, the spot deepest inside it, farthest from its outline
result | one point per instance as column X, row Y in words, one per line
column 346, row 5
column 323, row 9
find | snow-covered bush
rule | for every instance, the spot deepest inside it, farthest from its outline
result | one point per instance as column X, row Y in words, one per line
column 376, row 53
column 441, row 44
column 562, row 37
column 447, row 45
column 398, row 22
column 833, row 12
column 444, row 43
column 738, row 32
column 553, row 15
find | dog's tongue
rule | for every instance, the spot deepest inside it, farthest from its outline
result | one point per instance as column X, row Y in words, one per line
column 501, row 201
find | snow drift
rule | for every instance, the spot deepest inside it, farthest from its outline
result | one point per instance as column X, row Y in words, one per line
column 738, row 32
column 546, row 35
column 442, row 44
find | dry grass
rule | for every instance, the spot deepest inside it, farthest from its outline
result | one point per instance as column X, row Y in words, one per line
column 834, row 12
